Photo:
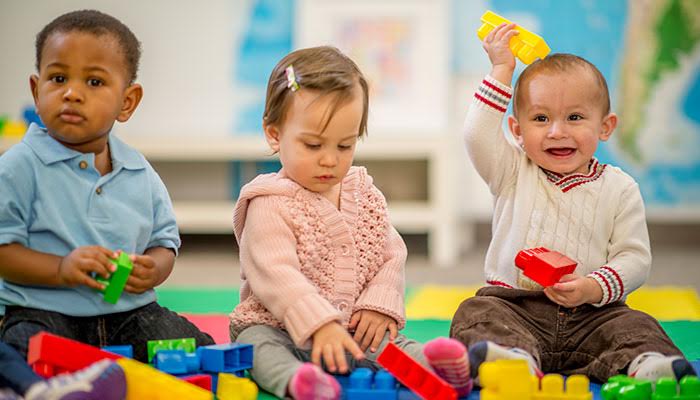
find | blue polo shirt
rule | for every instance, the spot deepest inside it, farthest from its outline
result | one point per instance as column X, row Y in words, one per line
column 53, row 200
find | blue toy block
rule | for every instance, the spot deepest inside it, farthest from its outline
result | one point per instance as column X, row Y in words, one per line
column 232, row 358
column 126, row 350
column 176, row 362
column 367, row 385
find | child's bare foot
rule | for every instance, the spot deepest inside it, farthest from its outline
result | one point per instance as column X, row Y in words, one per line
column 448, row 357
column 311, row 383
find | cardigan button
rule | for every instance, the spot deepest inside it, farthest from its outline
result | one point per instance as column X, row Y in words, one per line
column 344, row 249
column 342, row 306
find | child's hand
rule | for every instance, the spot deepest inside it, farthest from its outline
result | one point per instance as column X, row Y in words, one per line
column 573, row 290
column 497, row 46
column 370, row 327
column 330, row 342
column 144, row 276
column 75, row 268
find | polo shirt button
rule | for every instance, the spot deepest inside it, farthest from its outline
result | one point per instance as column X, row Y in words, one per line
column 83, row 164
column 98, row 190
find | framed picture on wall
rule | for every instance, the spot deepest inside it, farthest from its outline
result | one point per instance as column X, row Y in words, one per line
column 402, row 48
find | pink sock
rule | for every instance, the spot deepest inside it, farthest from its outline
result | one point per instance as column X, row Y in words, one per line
column 448, row 357
column 311, row 383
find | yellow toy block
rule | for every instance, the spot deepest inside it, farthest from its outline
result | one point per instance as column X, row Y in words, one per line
column 144, row 382
column 506, row 380
column 511, row 379
column 552, row 388
column 231, row 387
column 527, row 46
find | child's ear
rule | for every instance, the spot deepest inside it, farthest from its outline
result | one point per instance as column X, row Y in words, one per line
column 514, row 127
column 607, row 126
column 272, row 135
column 132, row 98
column 34, row 86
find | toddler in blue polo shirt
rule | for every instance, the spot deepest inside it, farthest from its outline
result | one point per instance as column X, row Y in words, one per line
column 73, row 196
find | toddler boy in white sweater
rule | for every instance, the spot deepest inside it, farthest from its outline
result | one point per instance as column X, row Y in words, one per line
column 550, row 191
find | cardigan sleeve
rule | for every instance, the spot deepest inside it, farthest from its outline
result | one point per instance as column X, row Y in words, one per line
column 385, row 292
column 493, row 157
column 270, row 264
column 629, row 252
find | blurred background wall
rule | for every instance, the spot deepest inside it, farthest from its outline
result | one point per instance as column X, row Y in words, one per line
column 205, row 66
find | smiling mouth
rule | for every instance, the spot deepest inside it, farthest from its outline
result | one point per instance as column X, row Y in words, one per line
column 561, row 151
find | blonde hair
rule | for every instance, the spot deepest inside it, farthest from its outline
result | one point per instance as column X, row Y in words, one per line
column 324, row 69
column 559, row 62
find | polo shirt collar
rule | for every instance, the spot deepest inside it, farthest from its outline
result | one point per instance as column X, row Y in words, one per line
column 50, row 151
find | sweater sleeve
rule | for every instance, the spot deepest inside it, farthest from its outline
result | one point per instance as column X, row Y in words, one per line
column 629, row 252
column 270, row 264
column 494, row 158
column 385, row 291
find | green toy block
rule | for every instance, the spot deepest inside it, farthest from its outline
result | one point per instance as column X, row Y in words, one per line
column 114, row 286
column 187, row 344
column 668, row 389
column 3, row 121
column 622, row 387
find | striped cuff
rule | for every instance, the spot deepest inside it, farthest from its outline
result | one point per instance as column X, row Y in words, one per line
column 494, row 94
column 611, row 283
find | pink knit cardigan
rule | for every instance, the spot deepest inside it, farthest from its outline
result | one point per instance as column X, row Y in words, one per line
column 305, row 263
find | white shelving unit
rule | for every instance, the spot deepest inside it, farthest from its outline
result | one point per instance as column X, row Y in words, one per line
column 437, row 216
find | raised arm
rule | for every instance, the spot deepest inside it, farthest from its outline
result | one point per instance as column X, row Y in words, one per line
column 493, row 157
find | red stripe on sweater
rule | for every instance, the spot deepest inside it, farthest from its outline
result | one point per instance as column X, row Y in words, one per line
column 496, row 88
column 619, row 280
column 489, row 102
column 607, row 285
column 499, row 283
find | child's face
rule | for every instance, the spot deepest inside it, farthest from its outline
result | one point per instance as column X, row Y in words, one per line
column 82, row 88
column 317, row 160
column 561, row 120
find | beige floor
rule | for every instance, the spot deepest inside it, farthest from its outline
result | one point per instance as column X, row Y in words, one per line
column 213, row 261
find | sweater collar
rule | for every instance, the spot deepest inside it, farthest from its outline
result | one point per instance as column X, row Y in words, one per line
column 568, row 182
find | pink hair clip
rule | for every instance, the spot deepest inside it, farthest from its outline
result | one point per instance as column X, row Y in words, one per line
column 291, row 79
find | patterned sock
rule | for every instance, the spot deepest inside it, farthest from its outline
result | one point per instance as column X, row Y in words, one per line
column 311, row 383
column 652, row 366
column 448, row 357
column 103, row 380
column 489, row 351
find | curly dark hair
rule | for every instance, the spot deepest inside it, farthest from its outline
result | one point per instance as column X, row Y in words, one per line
column 96, row 23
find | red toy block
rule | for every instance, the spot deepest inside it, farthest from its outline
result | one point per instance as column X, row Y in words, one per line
column 544, row 266
column 50, row 354
column 414, row 376
column 201, row 380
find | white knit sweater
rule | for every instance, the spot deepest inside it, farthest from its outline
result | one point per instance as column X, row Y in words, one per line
column 596, row 219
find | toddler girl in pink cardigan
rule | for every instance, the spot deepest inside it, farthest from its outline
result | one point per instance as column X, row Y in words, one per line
column 322, row 268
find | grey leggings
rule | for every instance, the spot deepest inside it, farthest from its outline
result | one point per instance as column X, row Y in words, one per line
column 276, row 358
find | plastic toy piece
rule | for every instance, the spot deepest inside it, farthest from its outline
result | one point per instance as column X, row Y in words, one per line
column 187, row 344
column 144, row 382
column 408, row 371
column 622, row 387
column 51, row 355
column 365, row 384
column 527, row 46
column 231, row 387
column 506, row 380
column 176, row 362
column 544, row 266
column 125, row 350
column 232, row 358
column 201, row 380
column 552, row 388
column 114, row 285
